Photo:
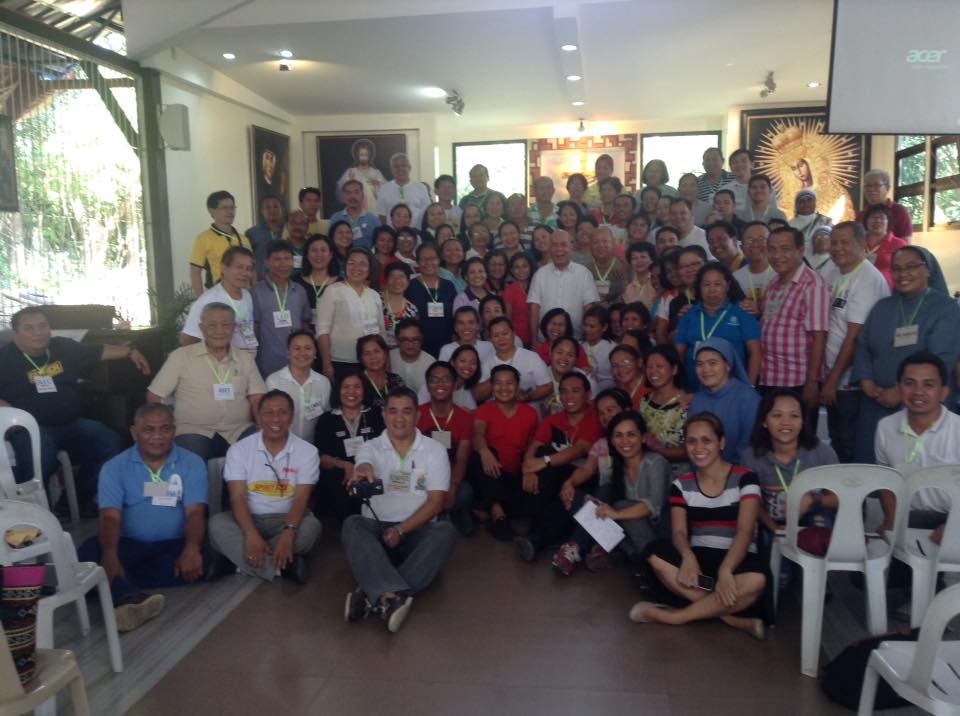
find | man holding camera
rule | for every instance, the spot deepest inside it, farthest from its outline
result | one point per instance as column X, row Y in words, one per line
column 396, row 547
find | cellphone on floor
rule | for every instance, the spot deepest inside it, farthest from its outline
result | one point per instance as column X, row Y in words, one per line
column 705, row 583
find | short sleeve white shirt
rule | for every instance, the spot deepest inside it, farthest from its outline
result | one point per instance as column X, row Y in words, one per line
column 310, row 400
column 272, row 480
column 414, row 374
column 413, row 194
column 533, row 371
column 570, row 288
column 484, row 350
column 243, row 336
column 406, row 482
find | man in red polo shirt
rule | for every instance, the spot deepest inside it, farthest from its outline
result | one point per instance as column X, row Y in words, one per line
column 502, row 429
column 451, row 426
column 559, row 447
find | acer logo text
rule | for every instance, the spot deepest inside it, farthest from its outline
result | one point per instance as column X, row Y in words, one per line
column 925, row 57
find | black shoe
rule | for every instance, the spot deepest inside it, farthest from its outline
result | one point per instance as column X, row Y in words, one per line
column 395, row 611
column 501, row 529
column 463, row 521
column 296, row 571
column 220, row 567
column 525, row 549
column 357, row 606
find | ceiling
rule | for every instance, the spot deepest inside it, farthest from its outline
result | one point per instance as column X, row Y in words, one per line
column 640, row 59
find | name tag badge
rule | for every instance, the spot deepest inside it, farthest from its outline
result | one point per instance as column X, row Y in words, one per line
column 351, row 446
column 906, row 336
column 603, row 288
column 281, row 319
column 165, row 501
column 223, row 391
column 370, row 327
column 45, row 384
column 357, row 233
column 248, row 334
column 400, row 481
column 443, row 437
column 839, row 302
column 297, row 261
column 435, row 309
column 420, row 482
column 313, row 410
column 155, row 489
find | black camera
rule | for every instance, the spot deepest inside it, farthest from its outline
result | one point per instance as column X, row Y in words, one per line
column 365, row 489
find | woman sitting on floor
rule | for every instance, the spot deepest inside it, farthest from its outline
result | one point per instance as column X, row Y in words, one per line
column 712, row 560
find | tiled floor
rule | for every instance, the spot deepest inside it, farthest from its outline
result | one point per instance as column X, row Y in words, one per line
column 493, row 636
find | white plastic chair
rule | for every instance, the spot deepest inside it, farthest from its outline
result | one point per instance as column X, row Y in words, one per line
column 56, row 670
column 913, row 546
column 74, row 578
column 33, row 489
column 849, row 550
column 920, row 671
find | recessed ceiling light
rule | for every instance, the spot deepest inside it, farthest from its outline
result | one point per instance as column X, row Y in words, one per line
column 229, row 56
column 574, row 78
column 436, row 92
column 578, row 103
column 729, row 64
column 813, row 85
column 286, row 53
column 568, row 48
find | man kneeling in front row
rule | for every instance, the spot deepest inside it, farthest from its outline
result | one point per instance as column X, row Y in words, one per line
column 396, row 547
column 270, row 476
column 152, row 498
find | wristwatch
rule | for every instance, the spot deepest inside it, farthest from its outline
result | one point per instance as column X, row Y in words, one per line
column 291, row 527
column 399, row 529
column 546, row 459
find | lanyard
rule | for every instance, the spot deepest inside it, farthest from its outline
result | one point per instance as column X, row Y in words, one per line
column 910, row 455
column 435, row 296
column 41, row 370
column 241, row 317
column 841, row 287
column 353, row 426
column 270, row 466
column 636, row 387
column 316, row 292
column 155, row 476
column 374, row 385
column 588, row 349
column 400, row 189
column 446, row 420
column 596, row 270
column 913, row 315
column 282, row 305
column 703, row 325
column 796, row 469
column 221, row 378
column 403, row 458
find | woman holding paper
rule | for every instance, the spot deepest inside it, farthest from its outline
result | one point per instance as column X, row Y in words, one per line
column 712, row 560
column 633, row 495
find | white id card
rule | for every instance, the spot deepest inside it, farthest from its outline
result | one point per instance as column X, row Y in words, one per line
column 155, row 489
column 399, row 481
column 281, row 319
column 44, row 384
column 603, row 288
column 435, row 309
column 297, row 261
column 357, row 233
column 313, row 409
column 249, row 335
column 351, row 446
column 443, row 437
column 223, row 391
column 906, row 336
column 165, row 501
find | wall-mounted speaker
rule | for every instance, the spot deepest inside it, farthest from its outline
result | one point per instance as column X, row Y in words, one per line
column 175, row 126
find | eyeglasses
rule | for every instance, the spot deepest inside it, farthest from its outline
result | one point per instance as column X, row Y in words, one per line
column 908, row 268
column 440, row 379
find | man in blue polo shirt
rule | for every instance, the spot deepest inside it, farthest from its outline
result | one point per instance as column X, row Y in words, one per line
column 152, row 518
column 361, row 221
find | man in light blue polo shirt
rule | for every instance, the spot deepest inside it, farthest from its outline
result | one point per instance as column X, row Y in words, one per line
column 152, row 519
column 362, row 222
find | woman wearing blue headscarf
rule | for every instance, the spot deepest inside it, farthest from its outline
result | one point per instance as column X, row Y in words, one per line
column 726, row 392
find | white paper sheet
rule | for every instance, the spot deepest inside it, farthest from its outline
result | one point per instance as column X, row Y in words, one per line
column 606, row 532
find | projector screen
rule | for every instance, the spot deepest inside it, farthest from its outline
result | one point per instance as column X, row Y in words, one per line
column 895, row 67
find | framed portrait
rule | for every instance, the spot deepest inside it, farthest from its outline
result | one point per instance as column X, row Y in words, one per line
column 9, row 198
column 792, row 147
column 560, row 157
column 270, row 154
column 364, row 157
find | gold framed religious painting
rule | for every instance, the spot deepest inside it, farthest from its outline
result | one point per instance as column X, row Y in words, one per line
column 560, row 157
column 792, row 147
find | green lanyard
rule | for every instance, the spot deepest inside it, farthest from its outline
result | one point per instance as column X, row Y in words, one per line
column 403, row 458
column 910, row 455
column 241, row 317
column 222, row 378
column 703, row 325
column 317, row 292
column 374, row 386
column 796, row 469
column 155, row 476
column 436, row 292
column 841, row 288
column 41, row 370
column 596, row 270
column 913, row 316
column 282, row 305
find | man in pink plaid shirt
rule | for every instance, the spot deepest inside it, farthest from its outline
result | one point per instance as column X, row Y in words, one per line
column 794, row 322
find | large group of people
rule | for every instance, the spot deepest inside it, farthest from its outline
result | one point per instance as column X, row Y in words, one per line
column 415, row 368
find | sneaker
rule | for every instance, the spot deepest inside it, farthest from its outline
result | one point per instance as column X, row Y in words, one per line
column 565, row 559
column 296, row 571
column 597, row 559
column 395, row 611
column 463, row 521
column 501, row 530
column 524, row 549
column 638, row 612
column 137, row 610
column 357, row 607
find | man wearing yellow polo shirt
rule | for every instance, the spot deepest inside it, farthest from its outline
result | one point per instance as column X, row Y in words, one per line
column 209, row 246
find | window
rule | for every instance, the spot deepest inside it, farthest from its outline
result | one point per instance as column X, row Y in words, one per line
column 682, row 152
column 928, row 180
column 506, row 162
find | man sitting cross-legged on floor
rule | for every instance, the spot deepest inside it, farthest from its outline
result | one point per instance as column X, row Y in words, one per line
column 396, row 547
column 270, row 476
column 152, row 520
